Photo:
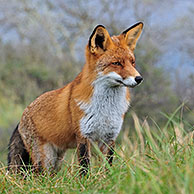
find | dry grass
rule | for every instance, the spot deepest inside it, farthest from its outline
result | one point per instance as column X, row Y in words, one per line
column 149, row 160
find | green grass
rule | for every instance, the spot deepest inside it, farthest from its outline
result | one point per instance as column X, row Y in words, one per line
column 147, row 160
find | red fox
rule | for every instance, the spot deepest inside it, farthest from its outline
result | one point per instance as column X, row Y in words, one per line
column 89, row 109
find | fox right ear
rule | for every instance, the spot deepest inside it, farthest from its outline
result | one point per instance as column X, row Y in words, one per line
column 99, row 40
column 132, row 34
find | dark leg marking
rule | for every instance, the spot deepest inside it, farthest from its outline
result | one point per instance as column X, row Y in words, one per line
column 83, row 158
column 110, row 156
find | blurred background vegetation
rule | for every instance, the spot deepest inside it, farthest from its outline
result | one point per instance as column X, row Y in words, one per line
column 42, row 46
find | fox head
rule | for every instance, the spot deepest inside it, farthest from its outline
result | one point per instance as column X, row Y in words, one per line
column 112, row 58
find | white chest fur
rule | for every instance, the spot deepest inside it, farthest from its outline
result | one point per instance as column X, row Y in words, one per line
column 104, row 114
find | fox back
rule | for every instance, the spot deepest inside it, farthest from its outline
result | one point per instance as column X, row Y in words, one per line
column 89, row 109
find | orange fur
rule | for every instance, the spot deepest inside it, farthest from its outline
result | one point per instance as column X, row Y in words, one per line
column 54, row 118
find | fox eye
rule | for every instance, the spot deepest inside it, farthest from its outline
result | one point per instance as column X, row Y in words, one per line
column 117, row 63
column 133, row 62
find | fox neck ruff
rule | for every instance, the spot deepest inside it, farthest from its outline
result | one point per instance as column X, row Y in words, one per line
column 103, row 116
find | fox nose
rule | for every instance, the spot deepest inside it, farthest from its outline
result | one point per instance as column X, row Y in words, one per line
column 138, row 79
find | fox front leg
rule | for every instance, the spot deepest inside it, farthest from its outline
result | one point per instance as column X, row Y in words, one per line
column 110, row 154
column 108, row 150
column 83, row 151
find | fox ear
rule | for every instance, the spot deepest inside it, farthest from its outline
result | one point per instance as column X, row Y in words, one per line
column 99, row 40
column 132, row 35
